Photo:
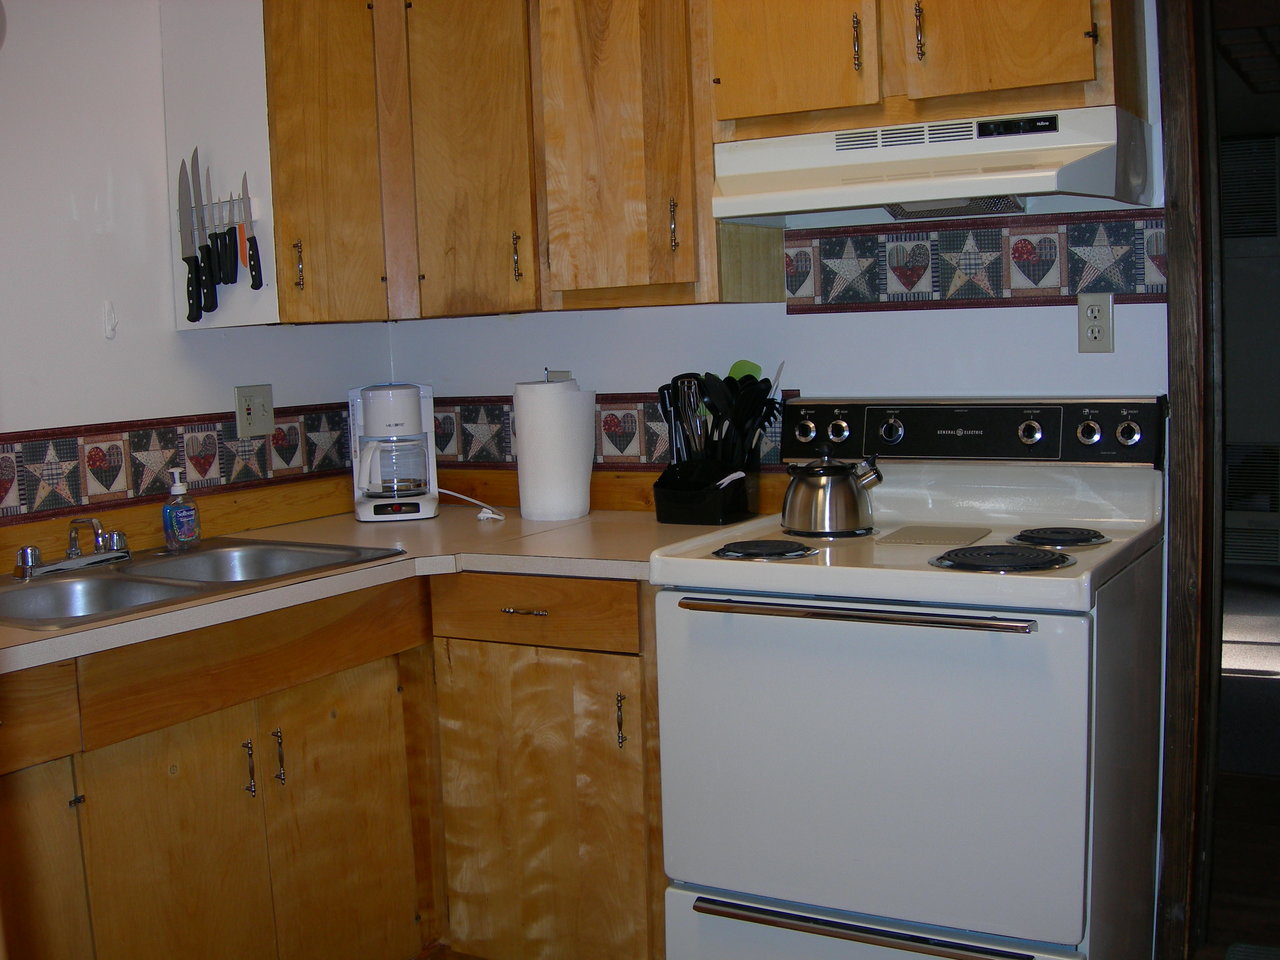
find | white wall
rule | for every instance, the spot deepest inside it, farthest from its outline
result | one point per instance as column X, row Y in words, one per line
column 83, row 176
column 85, row 185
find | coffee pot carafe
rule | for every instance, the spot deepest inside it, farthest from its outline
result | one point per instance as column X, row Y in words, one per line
column 393, row 452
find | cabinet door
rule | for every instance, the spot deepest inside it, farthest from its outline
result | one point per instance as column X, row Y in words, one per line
column 776, row 56
column 332, row 773
column 614, row 109
column 469, row 73
column 325, row 175
column 46, row 916
column 174, row 848
column 970, row 46
column 543, row 808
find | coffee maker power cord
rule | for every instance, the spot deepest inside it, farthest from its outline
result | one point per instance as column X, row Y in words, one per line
column 486, row 512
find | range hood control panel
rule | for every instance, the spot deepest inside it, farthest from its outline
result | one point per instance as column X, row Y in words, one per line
column 1069, row 431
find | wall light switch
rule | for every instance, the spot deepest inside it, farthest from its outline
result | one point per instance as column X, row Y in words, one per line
column 255, row 411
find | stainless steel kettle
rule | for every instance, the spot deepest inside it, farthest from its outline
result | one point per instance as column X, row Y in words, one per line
column 828, row 498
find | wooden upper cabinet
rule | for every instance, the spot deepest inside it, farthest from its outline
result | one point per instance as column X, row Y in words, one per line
column 469, row 78
column 613, row 126
column 781, row 57
column 322, row 105
column 973, row 46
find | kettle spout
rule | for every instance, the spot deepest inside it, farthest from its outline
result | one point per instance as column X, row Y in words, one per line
column 872, row 476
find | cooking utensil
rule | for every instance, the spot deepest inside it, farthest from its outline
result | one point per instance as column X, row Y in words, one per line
column 186, row 243
column 254, row 261
column 208, row 267
column 228, row 260
column 828, row 498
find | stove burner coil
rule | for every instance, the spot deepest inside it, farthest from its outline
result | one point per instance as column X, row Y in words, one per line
column 997, row 558
column 1060, row 537
column 764, row 550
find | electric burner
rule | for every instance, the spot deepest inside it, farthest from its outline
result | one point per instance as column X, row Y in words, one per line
column 999, row 558
column 764, row 550
column 1060, row 537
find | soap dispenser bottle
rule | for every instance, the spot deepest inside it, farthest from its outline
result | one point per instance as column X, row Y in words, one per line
column 181, row 516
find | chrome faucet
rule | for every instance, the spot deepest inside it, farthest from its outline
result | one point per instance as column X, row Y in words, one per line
column 108, row 547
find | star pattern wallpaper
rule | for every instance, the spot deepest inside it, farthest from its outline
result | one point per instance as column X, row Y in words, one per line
column 992, row 261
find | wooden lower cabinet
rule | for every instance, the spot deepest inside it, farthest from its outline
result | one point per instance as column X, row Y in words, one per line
column 307, row 853
column 545, row 830
column 42, row 898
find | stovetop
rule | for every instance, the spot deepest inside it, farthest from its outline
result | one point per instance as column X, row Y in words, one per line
column 924, row 509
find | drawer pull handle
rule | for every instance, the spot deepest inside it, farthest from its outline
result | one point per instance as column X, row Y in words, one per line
column 919, row 31
column 515, row 257
column 297, row 246
column 857, row 43
column 252, row 788
column 279, row 775
column 513, row 611
column 622, row 737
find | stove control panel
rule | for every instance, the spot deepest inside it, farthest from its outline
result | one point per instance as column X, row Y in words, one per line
column 1070, row 431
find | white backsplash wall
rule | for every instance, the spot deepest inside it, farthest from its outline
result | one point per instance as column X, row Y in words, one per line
column 1005, row 351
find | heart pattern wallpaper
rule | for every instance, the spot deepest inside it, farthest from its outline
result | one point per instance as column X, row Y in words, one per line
column 993, row 261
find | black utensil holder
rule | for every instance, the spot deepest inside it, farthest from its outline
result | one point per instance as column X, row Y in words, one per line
column 691, row 493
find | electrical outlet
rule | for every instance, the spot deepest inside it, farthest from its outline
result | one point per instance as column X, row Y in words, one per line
column 255, row 412
column 1096, row 322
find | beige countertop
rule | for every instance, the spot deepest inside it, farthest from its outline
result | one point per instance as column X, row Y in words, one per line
column 611, row 544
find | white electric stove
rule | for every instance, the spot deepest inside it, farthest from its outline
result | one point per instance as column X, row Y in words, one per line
column 937, row 738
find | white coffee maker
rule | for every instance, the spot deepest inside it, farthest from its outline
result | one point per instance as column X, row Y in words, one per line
column 393, row 453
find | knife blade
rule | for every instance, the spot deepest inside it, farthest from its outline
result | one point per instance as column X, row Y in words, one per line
column 187, row 245
column 251, row 242
column 215, row 235
column 208, row 272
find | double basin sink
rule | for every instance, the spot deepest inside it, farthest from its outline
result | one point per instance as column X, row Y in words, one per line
column 149, row 581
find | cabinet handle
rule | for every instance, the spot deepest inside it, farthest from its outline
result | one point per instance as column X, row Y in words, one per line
column 252, row 788
column 919, row 31
column 622, row 737
column 279, row 775
column 857, row 43
column 297, row 246
column 515, row 257
column 671, row 209
column 515, row 612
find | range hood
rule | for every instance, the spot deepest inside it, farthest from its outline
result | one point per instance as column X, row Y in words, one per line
column 1091, row 151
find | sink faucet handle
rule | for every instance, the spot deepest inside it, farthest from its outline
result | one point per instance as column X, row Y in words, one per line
column 116, row 540
column 73, row 542
column 28, row 560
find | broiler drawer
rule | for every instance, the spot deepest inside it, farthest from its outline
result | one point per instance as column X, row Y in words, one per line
column 540, row 611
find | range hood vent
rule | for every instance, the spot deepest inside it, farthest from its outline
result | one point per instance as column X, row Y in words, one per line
column 1092, row 151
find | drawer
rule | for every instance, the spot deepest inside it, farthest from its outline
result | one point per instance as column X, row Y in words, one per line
column 540, row 611
column 39, row 715
column 148, row 686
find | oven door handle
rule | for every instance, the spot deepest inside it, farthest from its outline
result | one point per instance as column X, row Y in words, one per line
column 844, row 930
column 759, row 608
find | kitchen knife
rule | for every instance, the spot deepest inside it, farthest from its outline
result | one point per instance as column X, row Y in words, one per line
column 215, row 235
column 228, row 260
column 246, row 210
column 186, row 232
column 208, row 270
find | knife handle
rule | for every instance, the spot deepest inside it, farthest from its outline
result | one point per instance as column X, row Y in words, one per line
column 229, row 261
column 193, row 288
column 208, row 278
column 255, row 264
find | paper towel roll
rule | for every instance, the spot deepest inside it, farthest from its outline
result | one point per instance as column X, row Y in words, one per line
column 555, row 441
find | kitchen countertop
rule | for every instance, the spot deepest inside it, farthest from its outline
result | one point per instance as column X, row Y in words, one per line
column 609, row 544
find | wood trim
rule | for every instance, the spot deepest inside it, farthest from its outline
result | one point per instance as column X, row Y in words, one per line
column 147, row 686
column 1193, row 571
column 39, row 715
column 395, row 159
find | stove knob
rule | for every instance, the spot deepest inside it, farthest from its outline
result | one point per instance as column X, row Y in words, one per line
column 1030, row 432
column 892, row 430
column 838, row 431
column 1128, row 433
column 1089, row 432
column 806, row 431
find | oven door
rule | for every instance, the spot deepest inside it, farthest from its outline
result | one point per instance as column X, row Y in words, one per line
column 901, row 762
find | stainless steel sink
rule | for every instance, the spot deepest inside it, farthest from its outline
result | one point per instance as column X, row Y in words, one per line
column 238, row 561
column 150, row 581
column 63, row 600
